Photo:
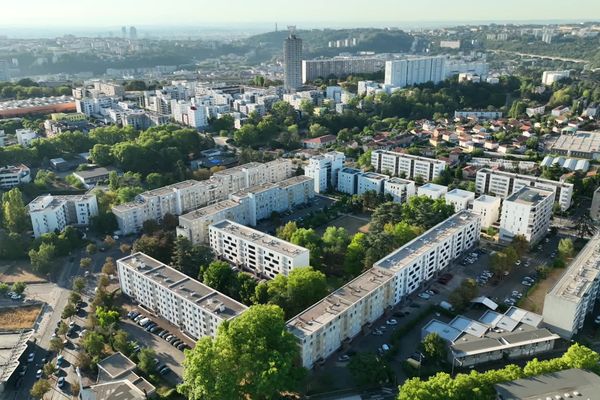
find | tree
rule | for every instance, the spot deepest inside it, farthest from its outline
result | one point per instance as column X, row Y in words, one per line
column 520, row 244
column 147, row 362
column 309, row 239
column 4, row 288
column 121, row 342
column 14, row 212
column 109, row 267
column 188, row 257
column 68, row 311
column 369, row 370
column 109, row 241
column 462, row 295
column 256, row 350
column 19, row 287
column 355, row 254
column 106, row 318
column 125, row 248
column 93, row 343
column 79, row 284
column 56, row 344
column 49, row 369
column 42, row 260
column 434, row 347
column 220, row 277
column 40, row 388
column 85, row 263
column 585, row 226
column 285, row 232
column 566, row 249
column 91, row 248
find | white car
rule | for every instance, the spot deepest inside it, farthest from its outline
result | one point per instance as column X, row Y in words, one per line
column 30, row 357
column 424, row 296
column 526, row 283
column 518, row 262
column 377, row 332
column 391, row 322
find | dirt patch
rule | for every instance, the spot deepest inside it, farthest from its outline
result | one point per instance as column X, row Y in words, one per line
column 19, row 272
column 535, row 298
column 12, row 318
column 351, row 223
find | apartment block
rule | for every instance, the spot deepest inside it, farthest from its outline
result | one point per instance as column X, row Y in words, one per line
column 25, row 137
column 595, row 207
column 53, row 213
column 460, row 199
column 574, row 296
column 14, row 175
column 488, row 208
column 340, row 67
column 263, row 255
column 371, row 182
column 400, row 189
column 432, row 190
column 526, row 212
column 406, row 165
column 503, row 184
column 348, row 180
column 196, row 309
column 414, row 70
column 324, row 169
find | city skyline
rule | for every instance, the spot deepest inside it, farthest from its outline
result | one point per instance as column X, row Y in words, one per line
column 39, row 14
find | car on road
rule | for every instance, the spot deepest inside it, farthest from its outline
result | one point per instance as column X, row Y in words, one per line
column 526, row 283
column 16, row 297
column 23, row 370
column 164, row 370
column 424, row 296
column 377, row 332
column 344, row 358
column 38, row 374
column 391, row 322
column 30, row 357
column 181, row 346
column 61, row 382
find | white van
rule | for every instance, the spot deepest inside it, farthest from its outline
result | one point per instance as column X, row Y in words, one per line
column 144, row 321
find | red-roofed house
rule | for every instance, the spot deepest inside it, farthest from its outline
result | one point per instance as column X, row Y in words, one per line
column 319, row 142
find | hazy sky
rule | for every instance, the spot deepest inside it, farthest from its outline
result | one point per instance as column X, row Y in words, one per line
column 110, row 13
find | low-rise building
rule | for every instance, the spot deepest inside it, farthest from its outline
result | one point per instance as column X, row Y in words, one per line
column 432, row 190
column 25, row 137
column 91, row 177
column 406, row 165
column 503, row 184
column 53, row 213
column 570, row 383
column 14, row 175
column 574, row 296
column 400, row 189
column 460, row 199
column 263, row 255
column 371, row 181
column 526, row 212
column 196, row 309
column 488, row 207
column 319, row 142
column 549, row 77
column 581, row 144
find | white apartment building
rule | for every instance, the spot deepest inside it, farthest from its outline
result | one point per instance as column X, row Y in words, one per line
column 549, row 77
column 460, row 199
column 189, row 195
column 25, row 136
column 263, row 255
column 432, row 190
column 457, row 66
column 192, row 113
column 247, row 207
column 488, row 208
column 96, row 106
column 371, row 181
column 53, row 213
column 574, row 296
column 477, row 114
column 14, row 175
column 348, row 180
column 406, row 166
column 526, row 212
column 196, row 309
column 324, row 170
column 503, row 184
column 414, row 70
column 400, row 189
column 340, row 67
column 325, row 326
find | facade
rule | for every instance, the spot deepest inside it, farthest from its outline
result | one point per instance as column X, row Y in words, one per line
column 413, row 71
column 348, row 180
column 25, row 136
column 400, row 189
column 324, row 170
column 432, row 190
column 503, row 184
column 478, row 114
column 573, row 297
column 324, row 327
column 292, row 63
column 595, row 207
column 263, row 255
column 14, row 175
column 549, row 77
column 371, row 181
column 340, row 67
column 526, row 212
column 458, row 66
column 488, row 208
column 195, row 224
column 406, row 166
column 196, row 309
column 53, row 213
column 460, row 199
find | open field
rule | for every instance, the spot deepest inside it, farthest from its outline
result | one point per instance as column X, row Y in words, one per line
column 351, row 223
column 535, row 300
column 18, row 272
column 12, row 318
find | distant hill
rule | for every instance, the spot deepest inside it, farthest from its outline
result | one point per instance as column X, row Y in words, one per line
column 316, row 41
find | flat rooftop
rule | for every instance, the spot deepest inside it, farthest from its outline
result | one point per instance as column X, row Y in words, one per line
column 577, row 383
column 421, row 244
column 434, row 187
column 587, row 142
column 171, row 188
column 374, row 176
column 335, row 304
column 403, row 155
column 186, row 287
column 580, row 274
column 463, row 194
column 400, row 181
column 484, row 198
column 92, row 173
column 12, row 346
column 295, row 180
column 209, row 210
column 529, row 196
column 524, row 177
column 260, row 238
column 116, row 365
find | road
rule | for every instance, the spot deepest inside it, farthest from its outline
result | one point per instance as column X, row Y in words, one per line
column 556, row 58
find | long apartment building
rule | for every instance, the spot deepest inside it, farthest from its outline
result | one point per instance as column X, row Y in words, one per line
column 193, row 307
column 247, row 206
column 340, row 67
column 53, row 213
column 336, row 319
column 324, row 169
column 263, row 255
column 573, row 297
column 14, row 175
column 406, row 165
column 183, row 197
column 526, row 212
column 503, row 184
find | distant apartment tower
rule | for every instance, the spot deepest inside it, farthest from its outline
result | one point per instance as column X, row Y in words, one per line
column 406, row 165
column 53, row 213
column 503, row 184
column 324, row 170
column 292, row 62
column 123, row 31
column 549, row 77
column 526, row 212
column 4, row 71
column 132, row 33
column 263, row 255
column 574, row 296
column 414, row 71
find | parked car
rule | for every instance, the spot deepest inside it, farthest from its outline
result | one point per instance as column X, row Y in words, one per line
column 424, row 296
column 526, row 283
column 181, row 346
column 164, row 370
column 23, row 370
column 31, row 357
column 59, row 360
column 391, row 322
column 344, row 358
column 377, row 332
column 38, row 374
column 61, row 382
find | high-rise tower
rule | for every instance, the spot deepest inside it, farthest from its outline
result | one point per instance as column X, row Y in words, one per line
column 292, row 61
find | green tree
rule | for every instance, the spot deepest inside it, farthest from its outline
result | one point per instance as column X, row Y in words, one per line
column 19, row 287
column 42, row 260
column 4, row 288
column 355, row 254
column 91, row 249
column 14, row 212
column 40, row 388
column 79, row 284
column 109, row 267
column 147, row 360
column 434, row 347
column 68, row 311
column 121, row 342
column 369, row 370
column 462, row 295
column 85, row 263
column 188, row 258
column 258, row 353
column 56, row 344
column 49, row 369
column 566, row 249
column 285, row 232
column 220, row 276
column 106, row 318
column 93, row 343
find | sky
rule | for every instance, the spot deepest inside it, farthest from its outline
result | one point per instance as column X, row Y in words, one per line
column 37, row 14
